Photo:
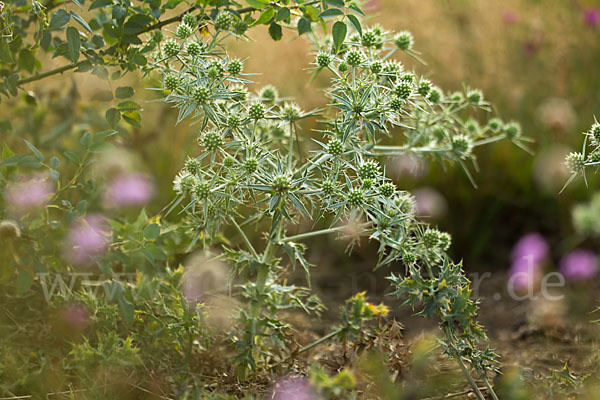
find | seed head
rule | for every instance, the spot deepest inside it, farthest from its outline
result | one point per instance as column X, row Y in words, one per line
column 370, row 38
column 369, row 170
column 368, row 183
column 235, row 67
column 335, row 147
column 194, row 49
column 193, row 166
column 424, row 87
column 239, row 27
column 354, row 58
column 594, row 134
column 233, row 121
column 223, row 21
column 291, row 112
column 388, row 189
column 356, row 197
column 512, row 130
column 376, row 67
column 171, row 48
column 474, row 96
column 575, row 162
column 256, row 111
column 594, row 156
column 323, row 59
column 212, row 141
column 239, row 93
column 184, row 31
column 404, row 40
column 431, row 238
column 405, row 203
column 201, row 94
column 457, row 97
column 472, row 126
column 228, row 162
column 250, row 165
column 328, row 188
column 281, row 184
column 190, row 20
column 171, row 82
column 269, row 93
column 409, row 258
column 435, row 95
column 184, row 182
column 462, row 145
column 408, row 77
column 403, row 90
column 201, row 190
column 396, row 103
column 445, row 240
column 495, row 124
column 343, row 66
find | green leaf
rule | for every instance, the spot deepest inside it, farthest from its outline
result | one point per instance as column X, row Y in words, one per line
column 71, row 155
column 331, row 12
column 136, row 24
column 133, row 118
column 86, row 140
column 126, row 308
column 100, row 3
column 355, row 8
column 73, row 43
column 54, row 162
column 339, row 34
column 355, row 23
column 275, row 31
column 81, row 21
column 303, row 26
column 129, row 106
column 282, row 14
column 336, row 3
column 100, row 136
column 59, row 19
column 5, row 53
column 24, row 281
column 264, row 17
column 38, row 154
column 151, row 231
column 26, row 60
column 113, row 116
column 124, row 92
column 258, row 4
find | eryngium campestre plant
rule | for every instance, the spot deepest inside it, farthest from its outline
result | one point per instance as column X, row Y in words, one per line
column 259, row 176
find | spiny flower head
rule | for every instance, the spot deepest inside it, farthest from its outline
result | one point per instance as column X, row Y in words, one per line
column 396, row 103
column 281, row 184
column 405, row 203
column 404, row 40
column 184, row 182
column 445, row 240
column 376, row 67
column 269, row 93
column 223, row 21
column 239, row 26
column 323, row 59
column 343, row 66
column 409, row 258
column 194, row 49
column 474, row 96
column 228, row 162
column 291, row 112
column 388, row 189
column 369, row 170
column 212, row 141
column 171, row 48
column 403, row 90
column 354, row 58
column 238, row 92
column 392, row 69
column 370, row 38
column 328, row 187
column 495, row 124
column 431, row 238
column 462, row 145
column 368, row 183
column 256, row 111
column 183, row 31
column 190, row 20
column 335, row 147
column 234, row 67
column 472, row 126
column 250, row 165
column 201, row 94
column 171, row 82
column 435, row 95
column 201, row 190
column 594, row 134
column 193, row 166
column 408, row 77
column 233, row 121
column 512, row 130
column 424, row 87
column 356, row 197
column 575, row 162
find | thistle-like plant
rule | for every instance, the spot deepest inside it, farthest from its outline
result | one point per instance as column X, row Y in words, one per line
column 255, row 172
column 589, row 156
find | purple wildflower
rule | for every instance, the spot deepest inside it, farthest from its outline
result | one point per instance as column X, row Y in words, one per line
column 28, row 193
column 523, row 273
column 88, row 239
column 591, row 16
column 579, row 265
column 129, row 189
column 531, row 246
column 293, row 388
column 510, row 16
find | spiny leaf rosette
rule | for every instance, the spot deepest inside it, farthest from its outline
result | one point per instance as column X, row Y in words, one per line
column 260, row 174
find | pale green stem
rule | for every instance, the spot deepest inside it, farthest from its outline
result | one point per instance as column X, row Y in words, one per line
column 245, row 238
column 306, row 235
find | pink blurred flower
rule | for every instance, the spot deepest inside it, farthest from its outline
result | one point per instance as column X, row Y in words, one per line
column 510, row 16
column 88, row 239
column 523, row 273
column 531, row 246
column 28, row 193
column 591, row 16
column 430, row 203
column 372, row 5
column 76, row 317
column 129, row 189
column 579, row 264
column 293, row 389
